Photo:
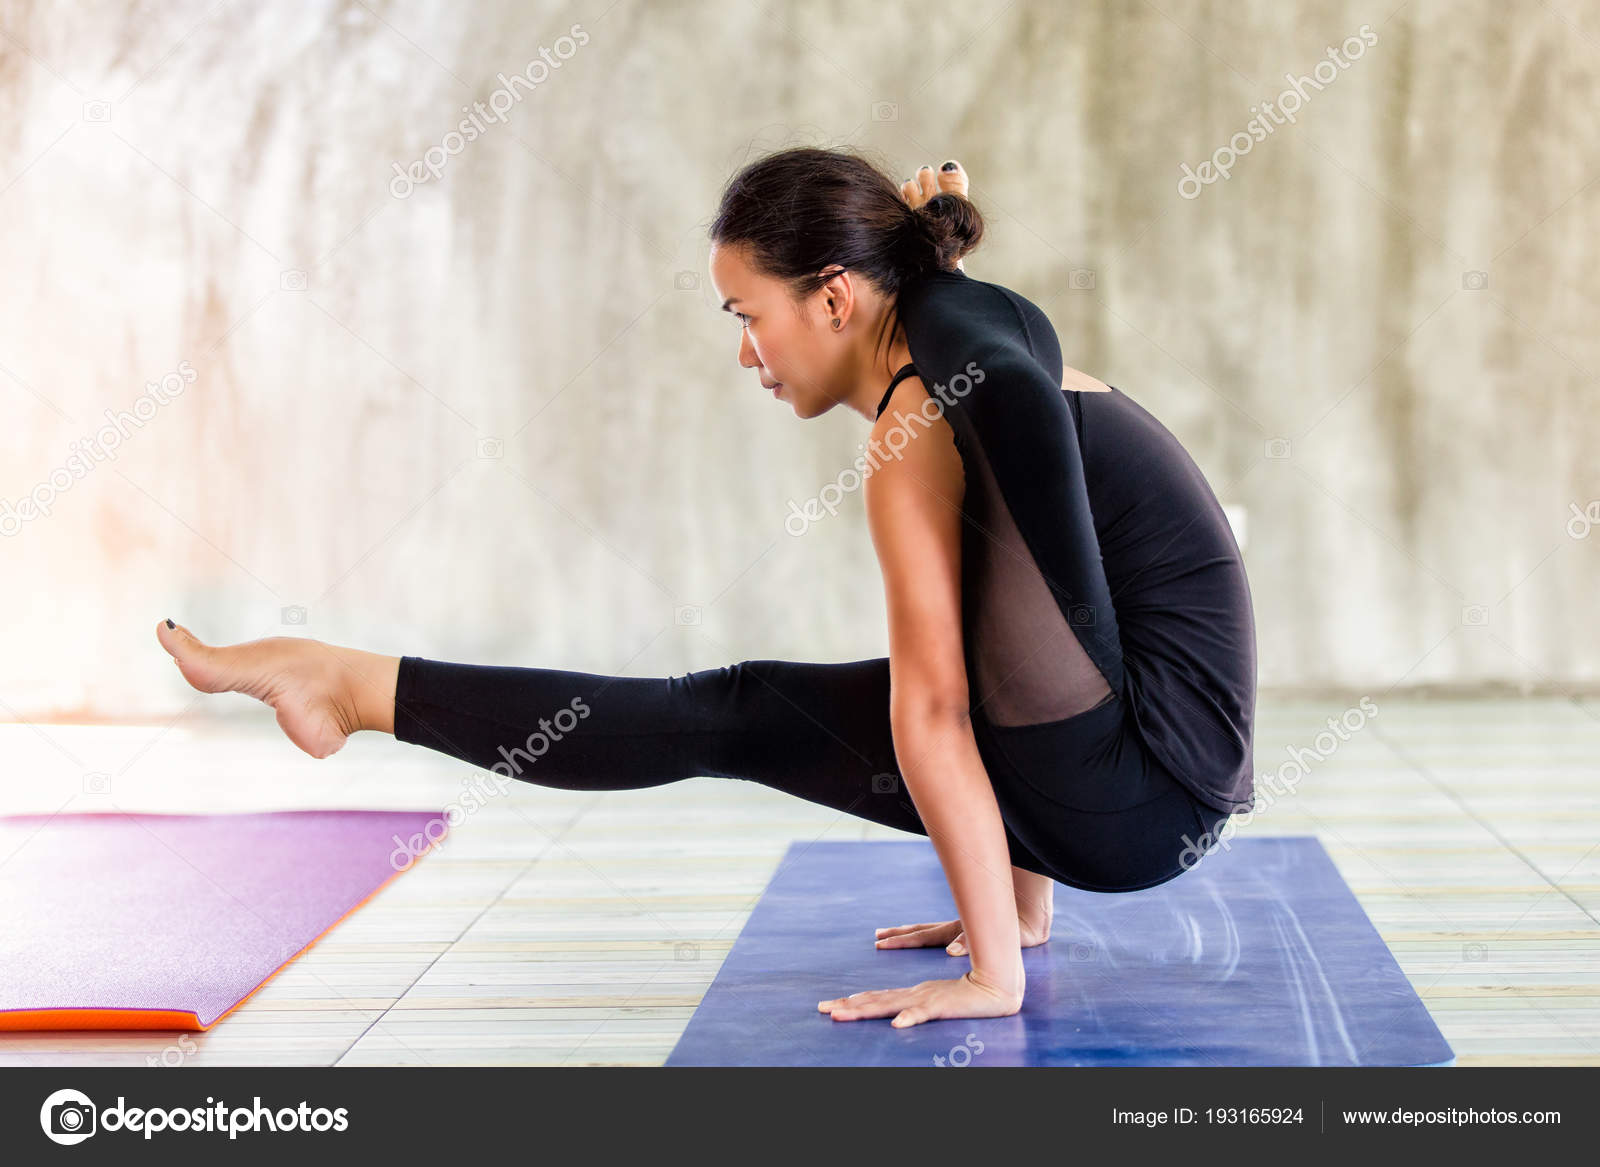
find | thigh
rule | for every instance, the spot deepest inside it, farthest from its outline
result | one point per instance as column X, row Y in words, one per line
column 816, row 730
column 835, row 746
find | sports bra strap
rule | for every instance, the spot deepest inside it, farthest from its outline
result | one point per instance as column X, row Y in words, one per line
column 901, row 374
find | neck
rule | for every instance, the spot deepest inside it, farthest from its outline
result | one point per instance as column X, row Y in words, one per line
column 886, row 362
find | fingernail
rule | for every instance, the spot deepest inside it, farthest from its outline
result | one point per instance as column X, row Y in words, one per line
column 949, row 165
column 170, row 624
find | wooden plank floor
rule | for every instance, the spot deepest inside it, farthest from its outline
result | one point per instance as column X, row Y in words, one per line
column 559, row 928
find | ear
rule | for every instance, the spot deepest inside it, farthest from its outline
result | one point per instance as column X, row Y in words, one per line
column 839, row 292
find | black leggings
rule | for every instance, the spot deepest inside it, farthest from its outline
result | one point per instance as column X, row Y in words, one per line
column 1084, row 802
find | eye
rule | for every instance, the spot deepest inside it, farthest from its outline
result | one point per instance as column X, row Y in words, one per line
column 744, row 321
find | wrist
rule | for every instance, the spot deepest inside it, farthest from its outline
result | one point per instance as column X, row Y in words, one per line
column 1035, row 916
column 1007, row 983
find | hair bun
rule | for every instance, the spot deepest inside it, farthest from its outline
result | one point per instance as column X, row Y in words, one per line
column 949, row 226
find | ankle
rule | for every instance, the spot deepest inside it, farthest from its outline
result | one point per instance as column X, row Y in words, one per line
column 375, row 701
column 369, row 680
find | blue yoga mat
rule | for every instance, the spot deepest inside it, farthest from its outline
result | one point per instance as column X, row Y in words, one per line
column 1257, row 956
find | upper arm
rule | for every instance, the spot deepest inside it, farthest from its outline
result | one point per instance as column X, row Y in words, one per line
column 913, row 500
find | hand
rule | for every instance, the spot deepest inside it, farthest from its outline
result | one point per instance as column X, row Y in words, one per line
column 968, row 996
column 1035, row 930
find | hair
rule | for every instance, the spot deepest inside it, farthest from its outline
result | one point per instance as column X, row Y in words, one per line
column 802, row 210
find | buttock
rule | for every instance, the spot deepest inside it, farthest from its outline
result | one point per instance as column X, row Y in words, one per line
column 1088, row 799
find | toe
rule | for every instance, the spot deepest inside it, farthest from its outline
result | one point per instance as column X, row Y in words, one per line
column 953, row 178
column 201, row 665
column 911, row 192
column 928, row 182
column 176, row 639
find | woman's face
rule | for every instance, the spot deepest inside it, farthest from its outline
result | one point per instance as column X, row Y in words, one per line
column 796, row 353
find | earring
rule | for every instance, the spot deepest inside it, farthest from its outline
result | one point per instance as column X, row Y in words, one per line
column 837, row 322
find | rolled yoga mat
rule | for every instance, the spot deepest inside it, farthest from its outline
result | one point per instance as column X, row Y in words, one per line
column 150, row 921
column 1259, row 955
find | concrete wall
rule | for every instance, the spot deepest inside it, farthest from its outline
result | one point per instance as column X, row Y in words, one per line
column 499, row 419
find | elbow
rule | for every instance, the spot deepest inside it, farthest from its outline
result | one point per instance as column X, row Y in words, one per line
column 934, row 710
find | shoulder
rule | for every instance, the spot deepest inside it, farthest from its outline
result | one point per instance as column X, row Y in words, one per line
column 958, row 328
column 933, row 292
column 912, row 450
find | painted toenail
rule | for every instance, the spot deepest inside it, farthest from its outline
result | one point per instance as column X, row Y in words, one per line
column 923, row 167
column 170, row 624
column 949, row 166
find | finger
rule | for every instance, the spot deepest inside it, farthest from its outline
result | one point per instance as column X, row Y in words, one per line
column 911, row 933
column 953, row 178
column 923, row 936
column 958, row 946
column 927, row 181
column 919, row 939
column 880, row 1003
column 909, row 1017
column 839, row 1002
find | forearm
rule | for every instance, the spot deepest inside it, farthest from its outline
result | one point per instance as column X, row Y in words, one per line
column 950, row 787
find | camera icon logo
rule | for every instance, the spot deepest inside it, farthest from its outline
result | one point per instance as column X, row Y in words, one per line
column 885, row 111
column 68, row 1117
column 684, row 950
column 293, row 280
column 97, row 782
column 491, row 448
column 687, row 614
column 97, row 111
column 293, row 614
column 1474, row 281
column 1474, row 615
column 686, row 281
column 1081, row 279
column 1278, row 448
column 1081, row 615
column 885, row 784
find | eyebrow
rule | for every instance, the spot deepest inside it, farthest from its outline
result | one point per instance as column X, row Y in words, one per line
column 730, row 300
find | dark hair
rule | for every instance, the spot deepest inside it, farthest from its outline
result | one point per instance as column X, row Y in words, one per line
column 803, row 209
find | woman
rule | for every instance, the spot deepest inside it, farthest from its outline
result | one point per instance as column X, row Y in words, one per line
column 1070, row 687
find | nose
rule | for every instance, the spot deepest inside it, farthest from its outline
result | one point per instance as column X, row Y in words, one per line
column 747, row 350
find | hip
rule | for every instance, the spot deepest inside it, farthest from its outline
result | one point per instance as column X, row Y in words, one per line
column 1088, row 797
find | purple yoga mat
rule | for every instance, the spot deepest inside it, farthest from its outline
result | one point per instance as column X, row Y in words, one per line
column 153, row 921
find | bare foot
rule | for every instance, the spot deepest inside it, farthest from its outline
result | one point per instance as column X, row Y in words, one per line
column 322, row 693
column 929, row 182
